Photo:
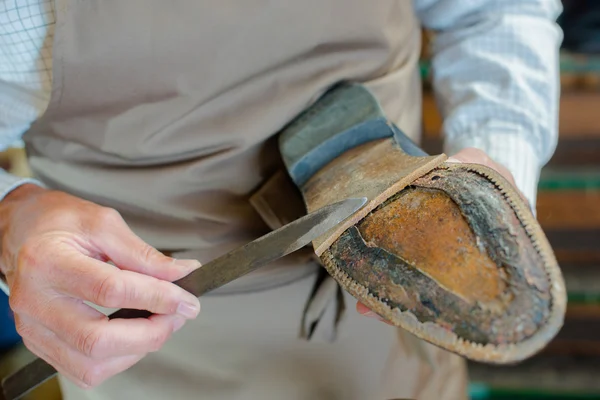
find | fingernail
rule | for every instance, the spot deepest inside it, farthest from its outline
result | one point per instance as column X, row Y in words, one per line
column 189, row 265
column 453, row 160
column 178, row 324
column 188, row 310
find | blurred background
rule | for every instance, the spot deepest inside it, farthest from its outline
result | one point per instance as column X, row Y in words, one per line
column 568, row 209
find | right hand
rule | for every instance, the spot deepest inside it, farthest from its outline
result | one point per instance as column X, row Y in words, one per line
column 55, row 249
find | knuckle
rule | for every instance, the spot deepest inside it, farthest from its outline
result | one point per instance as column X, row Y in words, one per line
column 16, row 301
column 110, row 215
column 108, row 292
column 33, row 259
column 157, row 341
column 24, row 330
column 23, row 303
column 105, row 218
column 164, row 298
column 28, row 257
column 93, row 375
column 132, row 295
column 147, row 252
column 89, row 342
column 158, row 295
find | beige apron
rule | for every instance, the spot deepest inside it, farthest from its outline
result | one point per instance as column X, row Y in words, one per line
column 167, row 111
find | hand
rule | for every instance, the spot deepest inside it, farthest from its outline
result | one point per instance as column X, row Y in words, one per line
column 55, row 249
column 475, row 156
column 471, row 156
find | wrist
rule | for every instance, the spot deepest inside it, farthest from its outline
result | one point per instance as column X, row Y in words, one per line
column 15, row 198
column 12, row 200
column 22, row 192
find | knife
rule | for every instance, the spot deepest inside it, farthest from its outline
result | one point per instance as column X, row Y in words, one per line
column 212, row 275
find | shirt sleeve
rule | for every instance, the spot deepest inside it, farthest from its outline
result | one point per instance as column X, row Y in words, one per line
column 18, row 108
column 26, row 31
column 495, row 74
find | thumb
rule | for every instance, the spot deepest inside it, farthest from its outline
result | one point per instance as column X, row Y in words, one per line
column 129, row 252
column 476, row 156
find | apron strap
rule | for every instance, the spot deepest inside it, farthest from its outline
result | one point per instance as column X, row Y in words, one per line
column 326, row 294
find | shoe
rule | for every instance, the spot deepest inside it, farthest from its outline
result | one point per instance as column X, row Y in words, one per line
column 449, row 252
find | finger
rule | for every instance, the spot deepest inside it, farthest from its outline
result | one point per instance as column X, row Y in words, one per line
column 54, row 363
column 367, row 312
column 102, row 284
column 79, row 369
column 36, row 337
column 128, row 251
column 364, row 310
column 476, row 156
column 91, row 333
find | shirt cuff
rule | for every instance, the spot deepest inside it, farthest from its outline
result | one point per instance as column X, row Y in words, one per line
column 512, row 151
column 9, row 182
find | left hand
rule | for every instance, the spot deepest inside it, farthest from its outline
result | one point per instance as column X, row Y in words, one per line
column 471, row 156
column 475, row 156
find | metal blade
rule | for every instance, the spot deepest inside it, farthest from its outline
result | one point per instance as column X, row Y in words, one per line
column 212, row 275
column 268, row 248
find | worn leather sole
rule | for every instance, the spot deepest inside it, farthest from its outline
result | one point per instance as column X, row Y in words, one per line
column 448, row 252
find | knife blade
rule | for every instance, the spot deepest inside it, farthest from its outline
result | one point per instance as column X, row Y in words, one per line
column 212, row 275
